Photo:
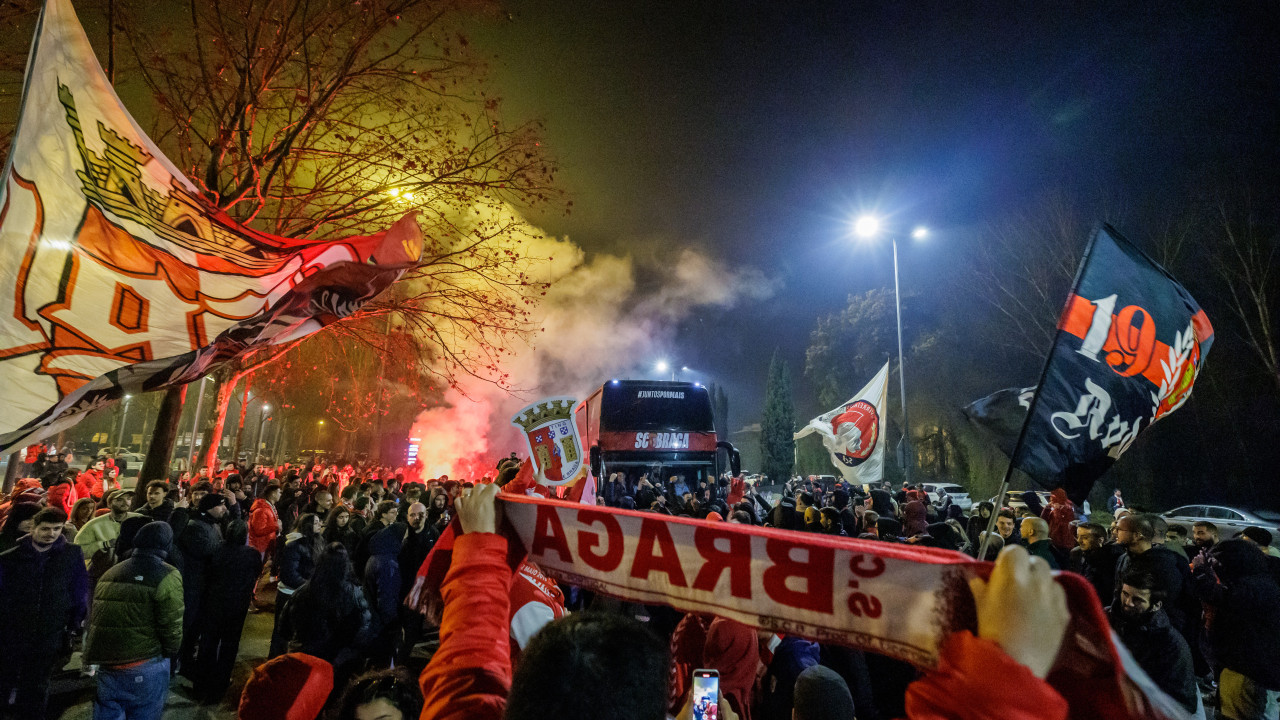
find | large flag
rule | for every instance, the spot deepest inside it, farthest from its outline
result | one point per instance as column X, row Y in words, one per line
column 852, row 433
column 117, row 277
column 1130, row 343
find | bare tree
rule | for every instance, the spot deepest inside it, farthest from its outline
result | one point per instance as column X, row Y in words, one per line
column 317, row 118
column 1242, row 250
column 1022, row 268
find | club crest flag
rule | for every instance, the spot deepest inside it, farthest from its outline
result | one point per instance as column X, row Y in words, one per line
column 1130, row 343
column 554, row 445
column 117, row 276
column 852, row 433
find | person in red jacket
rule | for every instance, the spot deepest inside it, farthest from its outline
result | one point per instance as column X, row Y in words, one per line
column 264, row 521
column 572, row 668
column 89, row 484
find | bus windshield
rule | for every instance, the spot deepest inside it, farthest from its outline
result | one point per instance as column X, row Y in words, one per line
column 656, row 407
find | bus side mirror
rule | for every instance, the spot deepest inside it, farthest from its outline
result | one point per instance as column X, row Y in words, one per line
column 597, row 465
column 735, row 462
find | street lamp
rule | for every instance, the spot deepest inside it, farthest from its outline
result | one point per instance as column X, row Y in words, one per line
column 124, row 417
column 262, row 420
column 869, row 226
column 662, row 366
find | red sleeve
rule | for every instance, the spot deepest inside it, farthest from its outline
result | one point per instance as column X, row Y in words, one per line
column 976, row 680
column 469, row 676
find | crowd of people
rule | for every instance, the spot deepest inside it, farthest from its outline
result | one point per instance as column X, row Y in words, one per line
column 145, row 584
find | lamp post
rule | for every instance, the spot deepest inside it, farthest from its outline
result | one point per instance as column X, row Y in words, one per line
column 319, row 427
column 868, row 226
column 195, row 424
column 257, row 441
column 124, row 417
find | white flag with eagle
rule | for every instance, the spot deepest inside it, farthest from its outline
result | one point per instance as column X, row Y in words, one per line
column 117, row 276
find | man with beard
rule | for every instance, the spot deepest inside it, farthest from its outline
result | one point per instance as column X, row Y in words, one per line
column 1141, row 622
column 1173, row 577
column 421, row 538
column 97, row 538
column 1205, row 535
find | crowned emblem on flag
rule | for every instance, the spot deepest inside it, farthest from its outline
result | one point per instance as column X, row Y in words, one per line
column 554, row 445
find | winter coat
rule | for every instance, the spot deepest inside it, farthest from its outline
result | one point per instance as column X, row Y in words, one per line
column 99, row 534
column 44, row 594
column 89, row 484
column 1098, row 566
column 913, row 519
column 1060, row 514
column 790, row 658
column 1246, row 611
column 1161, row 651
column 62, row 496
column 334, row 627
column 232, row 576
column 1042, row 550
column 296, row 561
column 382, row 575
column 1172, row 576
column 137, row 612
column 416, row 547
column 198, row 542
column 162, row 512
column 264, row 525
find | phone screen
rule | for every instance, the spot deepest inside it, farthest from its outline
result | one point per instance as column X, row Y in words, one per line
column 706, row 694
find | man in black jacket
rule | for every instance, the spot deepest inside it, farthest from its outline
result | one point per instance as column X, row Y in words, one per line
column 1096, row 560
column 1161, row 651
column 1232, row 579
column 198, row 542
column 1173, row 577
column 44, row 590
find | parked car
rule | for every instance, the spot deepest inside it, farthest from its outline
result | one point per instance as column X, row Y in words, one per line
column 959, row 496
column 1228, row 520
column 1013, row 499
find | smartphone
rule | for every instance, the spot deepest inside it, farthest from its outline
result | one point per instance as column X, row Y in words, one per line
column 706, row 694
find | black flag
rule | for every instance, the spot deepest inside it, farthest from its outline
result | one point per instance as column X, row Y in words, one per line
column 1130, row 343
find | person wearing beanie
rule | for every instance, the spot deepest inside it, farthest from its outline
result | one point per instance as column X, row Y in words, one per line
column 290, row 687
column 198, row 542
column 135, row 628
column 821, row 694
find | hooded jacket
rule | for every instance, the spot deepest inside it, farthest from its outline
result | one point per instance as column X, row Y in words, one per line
column 137, row 605
column 732, row 649
column 1246, row 611
column 290, row 687
column 1060, row 514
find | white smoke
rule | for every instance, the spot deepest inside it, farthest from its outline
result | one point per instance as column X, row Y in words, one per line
column 595, row 324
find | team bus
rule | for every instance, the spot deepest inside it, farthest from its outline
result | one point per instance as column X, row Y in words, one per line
column 655, row 427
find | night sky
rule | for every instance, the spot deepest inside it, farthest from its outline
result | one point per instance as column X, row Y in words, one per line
column 755, row 130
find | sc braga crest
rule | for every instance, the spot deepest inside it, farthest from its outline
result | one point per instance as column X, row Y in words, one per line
column 856, row 428
column 554, row 445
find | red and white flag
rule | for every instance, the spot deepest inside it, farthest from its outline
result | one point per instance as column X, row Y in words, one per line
column 116, row 276
column 853, row 433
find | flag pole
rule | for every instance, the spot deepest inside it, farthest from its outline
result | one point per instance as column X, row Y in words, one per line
column 1035, row 398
